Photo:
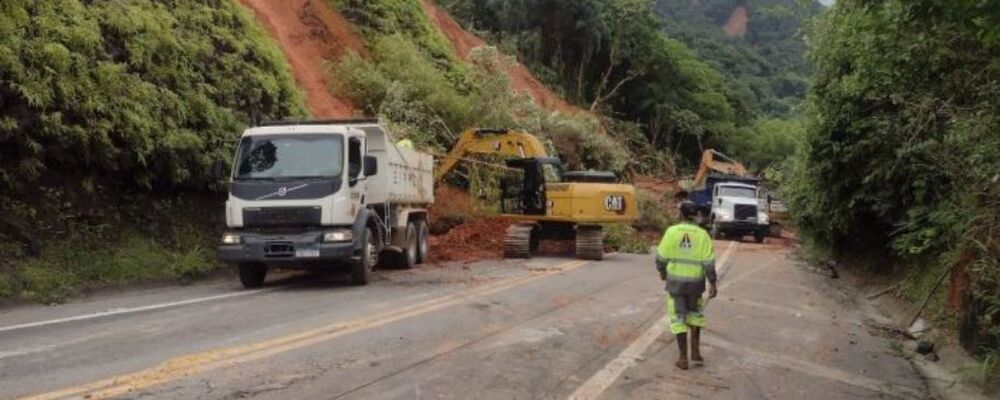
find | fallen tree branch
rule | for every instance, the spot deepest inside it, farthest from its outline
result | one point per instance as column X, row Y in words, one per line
column 883, row 291
column 927, row 298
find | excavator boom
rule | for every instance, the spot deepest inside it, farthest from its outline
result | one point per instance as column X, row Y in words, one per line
column 491, row 141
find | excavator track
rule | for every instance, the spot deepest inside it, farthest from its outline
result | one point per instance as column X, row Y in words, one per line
column 590, row 242
column 517, row 241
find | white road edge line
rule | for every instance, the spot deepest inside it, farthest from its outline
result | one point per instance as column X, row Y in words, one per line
column 602, row 380
column 131, row 310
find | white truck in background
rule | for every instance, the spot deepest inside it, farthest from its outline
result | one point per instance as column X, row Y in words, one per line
column 325, row 194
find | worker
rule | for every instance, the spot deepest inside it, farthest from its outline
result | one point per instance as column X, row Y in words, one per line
column 685, row 260
column 405, row 144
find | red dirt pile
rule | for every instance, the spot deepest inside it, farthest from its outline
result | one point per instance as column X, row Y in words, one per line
column 310, row 34
column 475, row 237
column 522, row 79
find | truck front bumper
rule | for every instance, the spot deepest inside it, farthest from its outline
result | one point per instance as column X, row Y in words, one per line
column 304, row 249
column 742, row 227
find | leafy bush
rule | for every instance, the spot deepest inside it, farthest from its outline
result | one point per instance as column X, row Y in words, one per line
column 626, row 239
column 901, row 150
column 142, row 90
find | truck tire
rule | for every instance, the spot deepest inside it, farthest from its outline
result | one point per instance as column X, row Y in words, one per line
column 252, row 275
column 408, row 258
column 759, row 236
column 361, row 268
column 715, row 232
column 423, row 247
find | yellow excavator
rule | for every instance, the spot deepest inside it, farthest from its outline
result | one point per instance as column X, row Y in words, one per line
column 544, row 201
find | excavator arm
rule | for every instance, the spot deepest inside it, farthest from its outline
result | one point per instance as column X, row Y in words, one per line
column 491, row 141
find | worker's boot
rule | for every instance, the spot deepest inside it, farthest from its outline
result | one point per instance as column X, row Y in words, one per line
column 696, row 345
column 682, row 345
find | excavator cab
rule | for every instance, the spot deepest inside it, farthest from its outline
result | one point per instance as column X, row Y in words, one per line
column 522, row 190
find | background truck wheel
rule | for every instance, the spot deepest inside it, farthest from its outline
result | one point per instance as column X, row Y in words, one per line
column 714, row 231
column 361, row 268
column 759, row 236
column 408, row 259
column 252, row 274
column 423, row 247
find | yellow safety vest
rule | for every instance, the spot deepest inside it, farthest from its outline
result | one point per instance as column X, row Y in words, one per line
column 686, row 250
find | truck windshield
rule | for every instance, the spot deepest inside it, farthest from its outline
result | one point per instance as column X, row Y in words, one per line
column 290, row 156
column 730, row 191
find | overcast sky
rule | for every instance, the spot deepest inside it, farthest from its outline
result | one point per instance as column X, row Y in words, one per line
column 827, row 2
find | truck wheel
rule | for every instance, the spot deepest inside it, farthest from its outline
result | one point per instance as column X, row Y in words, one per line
column 408, row 259
column 759, row 236
column 715, row 232
column 361, row 268
column 423, row 247
column 252, row 274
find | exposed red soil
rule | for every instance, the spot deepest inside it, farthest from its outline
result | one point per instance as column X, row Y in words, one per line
column 310, row 33
column 737, row 24
column 658, row 186
column 521, row 78
column 449, row 200
column 479, row 238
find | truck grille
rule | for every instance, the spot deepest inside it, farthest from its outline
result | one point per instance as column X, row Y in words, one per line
column 281, row 216
column 745, row 211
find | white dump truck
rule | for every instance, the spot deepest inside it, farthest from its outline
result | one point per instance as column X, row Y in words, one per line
column 322, row 195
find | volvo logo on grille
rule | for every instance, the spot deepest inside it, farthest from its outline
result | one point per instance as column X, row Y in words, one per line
column 282, row 191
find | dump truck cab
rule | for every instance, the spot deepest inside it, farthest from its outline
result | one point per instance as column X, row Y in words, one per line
column 324, row 194
column 736, row 211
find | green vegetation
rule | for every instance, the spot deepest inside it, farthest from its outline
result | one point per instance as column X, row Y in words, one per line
column 429, row 96
column 144, row 94
column 626, row 239
column 767, row 66
column 67, row 267
column 610, row 56
column 901, row 155
column 142, row 90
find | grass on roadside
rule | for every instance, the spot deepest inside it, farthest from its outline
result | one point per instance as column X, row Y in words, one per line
column 67, row 267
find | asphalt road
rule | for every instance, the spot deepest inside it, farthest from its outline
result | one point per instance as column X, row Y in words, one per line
column 544, row 329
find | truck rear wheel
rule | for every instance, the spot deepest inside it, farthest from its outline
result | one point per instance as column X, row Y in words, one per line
column 361, row 268
column 408, row 259
column 423, row 247
column 252, row 275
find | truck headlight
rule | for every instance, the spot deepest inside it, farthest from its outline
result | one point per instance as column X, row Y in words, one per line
column 723, row 216
column 231, row 238
column 763, row 218
column 340, row 235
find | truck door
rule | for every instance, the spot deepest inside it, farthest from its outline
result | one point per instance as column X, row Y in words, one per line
column 355, row 165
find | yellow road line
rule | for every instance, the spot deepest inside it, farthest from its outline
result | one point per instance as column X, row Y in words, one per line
column 197, row 363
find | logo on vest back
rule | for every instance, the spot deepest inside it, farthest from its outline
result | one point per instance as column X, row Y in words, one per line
column 686, row 243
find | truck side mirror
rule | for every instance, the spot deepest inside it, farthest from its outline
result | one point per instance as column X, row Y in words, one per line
column 218, row 170
column 371, row 166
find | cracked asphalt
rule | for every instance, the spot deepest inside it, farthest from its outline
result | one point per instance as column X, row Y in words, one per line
column 548, row 328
